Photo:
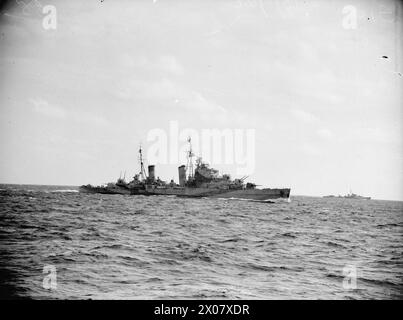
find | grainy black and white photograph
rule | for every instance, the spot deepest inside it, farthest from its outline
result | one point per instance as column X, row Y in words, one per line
column 201, row 150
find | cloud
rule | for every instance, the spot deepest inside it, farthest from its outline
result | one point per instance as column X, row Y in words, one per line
column 197, row 101
column 304, row 116
column 43, row 107
column 168, row 92
column 89, row 118
column 324, row 133
column 375, row 135
column 309, row 149
column 161, row 64
column 53, row 111
column 170, row 64
column 133, row 89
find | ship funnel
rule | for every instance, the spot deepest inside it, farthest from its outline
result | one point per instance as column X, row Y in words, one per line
column 151, row 173
column 182, row 175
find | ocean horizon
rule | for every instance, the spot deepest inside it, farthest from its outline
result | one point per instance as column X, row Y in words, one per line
column 75, row 187
column 175, row 248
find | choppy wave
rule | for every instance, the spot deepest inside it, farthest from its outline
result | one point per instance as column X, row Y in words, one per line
column 114, row 246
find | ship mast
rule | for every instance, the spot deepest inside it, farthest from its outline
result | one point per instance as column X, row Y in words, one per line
column 190, row 154
column 142, row 170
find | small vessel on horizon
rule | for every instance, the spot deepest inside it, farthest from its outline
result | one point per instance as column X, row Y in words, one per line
column 198, row 182
column 350, row 195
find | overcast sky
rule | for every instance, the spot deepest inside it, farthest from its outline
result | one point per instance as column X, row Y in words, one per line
column 324, row 101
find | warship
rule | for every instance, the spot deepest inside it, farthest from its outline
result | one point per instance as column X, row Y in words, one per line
column 350, row 195
column 194, row 182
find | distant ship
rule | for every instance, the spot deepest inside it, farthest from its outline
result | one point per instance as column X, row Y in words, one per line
column 350, row 195
column 203, row 181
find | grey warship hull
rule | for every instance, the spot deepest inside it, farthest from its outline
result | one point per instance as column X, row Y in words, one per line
column 247, row 194
column 103, row 190
column 349, row 196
